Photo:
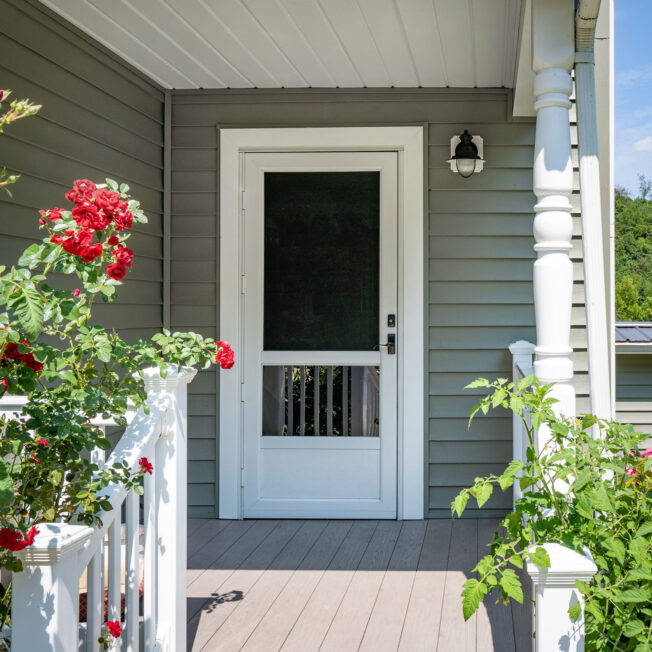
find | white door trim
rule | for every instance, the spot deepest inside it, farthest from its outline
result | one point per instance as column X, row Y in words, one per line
column 408, row 142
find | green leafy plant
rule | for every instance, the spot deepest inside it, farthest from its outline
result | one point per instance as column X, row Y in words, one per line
column 588, row 487
column 70, row 369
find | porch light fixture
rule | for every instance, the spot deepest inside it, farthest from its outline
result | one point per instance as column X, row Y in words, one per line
column 466, row 155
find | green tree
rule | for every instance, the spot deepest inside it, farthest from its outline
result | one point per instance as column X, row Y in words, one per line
column 633, row 250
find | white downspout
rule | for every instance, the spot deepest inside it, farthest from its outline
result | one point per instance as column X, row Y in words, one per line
column 594, row 280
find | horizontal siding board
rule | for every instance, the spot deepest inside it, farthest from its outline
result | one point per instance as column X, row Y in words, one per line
column 478, row 337
column 193, row 294
column 469, row 452
column 193, row 226
column 458, row 429
column 201, row 494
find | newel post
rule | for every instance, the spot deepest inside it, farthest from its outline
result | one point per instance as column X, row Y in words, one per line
column 45, row 595
column 553, row 48
column 170, row 478
column 554, row 593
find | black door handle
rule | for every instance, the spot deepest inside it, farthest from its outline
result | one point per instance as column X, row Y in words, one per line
column 390, row 344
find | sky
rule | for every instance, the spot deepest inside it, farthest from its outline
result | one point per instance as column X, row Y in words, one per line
column 633, row 92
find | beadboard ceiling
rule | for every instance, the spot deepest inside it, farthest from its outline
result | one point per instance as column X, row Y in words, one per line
column 308, row 43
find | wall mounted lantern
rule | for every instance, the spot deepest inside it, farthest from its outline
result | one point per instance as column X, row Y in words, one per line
column 466, row 154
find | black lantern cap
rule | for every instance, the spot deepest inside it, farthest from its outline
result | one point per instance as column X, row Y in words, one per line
column 466, row 148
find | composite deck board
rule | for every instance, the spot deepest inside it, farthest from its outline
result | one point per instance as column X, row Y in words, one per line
column 345, row 585
column 274, row 628
column 312, row 625
column 421, row 626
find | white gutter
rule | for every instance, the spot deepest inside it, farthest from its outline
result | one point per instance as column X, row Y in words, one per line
column 594, row 278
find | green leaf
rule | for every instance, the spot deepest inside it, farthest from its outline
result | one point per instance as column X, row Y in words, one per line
column 633, row 595
column 506, row 480
column 28, row 308
column 511, row 585
column 472, row 595
column 459, row 504
column 633, row 627
column 601, row 499
column 6, row 485
column 616, row 549
column 484, row 493
column 540, row 558
column 574, row 611
column 583, row 478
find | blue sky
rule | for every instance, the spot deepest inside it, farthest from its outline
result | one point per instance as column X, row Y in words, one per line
column 633, row 91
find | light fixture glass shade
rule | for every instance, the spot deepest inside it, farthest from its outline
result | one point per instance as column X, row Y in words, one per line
column 465, row 166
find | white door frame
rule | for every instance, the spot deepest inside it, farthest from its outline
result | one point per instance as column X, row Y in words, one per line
column 408, row 142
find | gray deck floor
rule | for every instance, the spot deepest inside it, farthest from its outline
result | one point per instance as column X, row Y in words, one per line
column 337, row 586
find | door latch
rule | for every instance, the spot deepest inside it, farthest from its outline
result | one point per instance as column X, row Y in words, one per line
column 390, row 344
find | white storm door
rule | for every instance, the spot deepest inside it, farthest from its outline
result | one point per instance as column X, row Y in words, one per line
column 320, row 305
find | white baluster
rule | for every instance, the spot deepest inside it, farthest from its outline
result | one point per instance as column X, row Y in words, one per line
column 149, row 562
column 302, row 418
column 290, row 405
column 132, row 578
column 113, row 542
column 94, row 599
column 329, row 401
column 316, row 408
column 345, row 401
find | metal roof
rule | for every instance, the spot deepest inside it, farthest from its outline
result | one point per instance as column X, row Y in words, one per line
column 633, row 332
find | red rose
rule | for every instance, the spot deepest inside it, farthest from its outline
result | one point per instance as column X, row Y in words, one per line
column 87, row 215
column 11, row 539
column 42, row 442
column 82, row 190
column 77, row 241
column 123, row 220
column 56, row 238
column 114, row 628
column 116, row 271
column 145, row 466
column 52, row 214
column 106, row 199
column 5, row 384
column 91, row 252
column 1, row 94
column 225, row 356
column 113, row 241
column 123, row 255
column 35, row 365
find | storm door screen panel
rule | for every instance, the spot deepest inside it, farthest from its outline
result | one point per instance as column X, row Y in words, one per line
column 322, row 261
column 320, row 387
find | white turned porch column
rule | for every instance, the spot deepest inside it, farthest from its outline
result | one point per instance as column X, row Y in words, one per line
column 552, row 60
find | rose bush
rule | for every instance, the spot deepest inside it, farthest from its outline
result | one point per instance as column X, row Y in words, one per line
column 71, row 369
column 588, row 488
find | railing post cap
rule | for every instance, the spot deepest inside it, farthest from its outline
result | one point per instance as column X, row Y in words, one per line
column 54, row 542
column 566, row 566
column 175, row 377
column 522, row 347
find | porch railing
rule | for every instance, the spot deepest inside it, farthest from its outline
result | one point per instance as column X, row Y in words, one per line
column 45, row 596
column 522, row 357
column 554, row 588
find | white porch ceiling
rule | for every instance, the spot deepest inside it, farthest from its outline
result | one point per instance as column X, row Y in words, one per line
column 308, row 43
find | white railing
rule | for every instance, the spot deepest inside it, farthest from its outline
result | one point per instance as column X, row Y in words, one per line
column 554, row 587
column 45, row 596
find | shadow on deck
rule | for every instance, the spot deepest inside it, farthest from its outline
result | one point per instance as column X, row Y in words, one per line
column 336, row 586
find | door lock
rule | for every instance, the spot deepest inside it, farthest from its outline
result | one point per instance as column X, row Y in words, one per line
column 390, row 344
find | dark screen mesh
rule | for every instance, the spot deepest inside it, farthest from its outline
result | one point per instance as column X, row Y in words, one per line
column 321, row 261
